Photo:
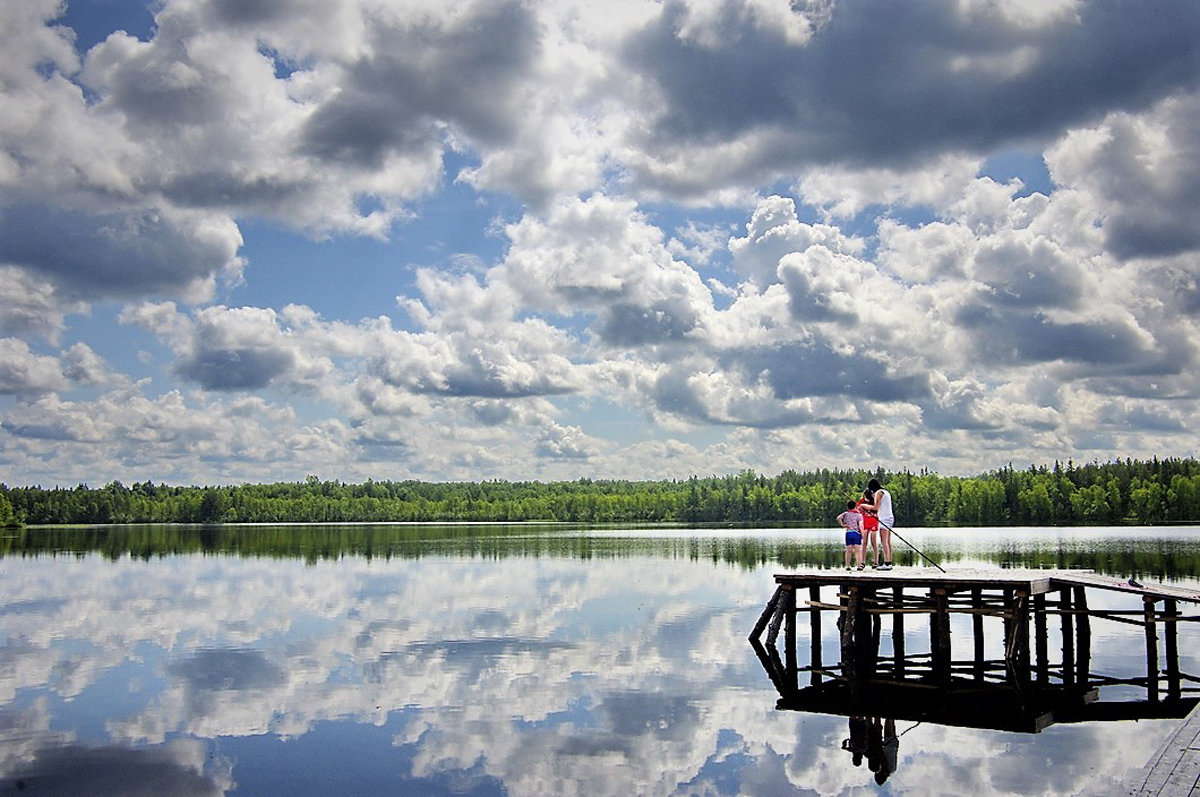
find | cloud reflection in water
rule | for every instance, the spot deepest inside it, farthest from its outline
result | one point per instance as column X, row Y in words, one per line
column 518, row 675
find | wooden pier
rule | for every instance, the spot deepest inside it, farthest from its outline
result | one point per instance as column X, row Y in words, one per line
column 1175, row 768
column 1011, row 681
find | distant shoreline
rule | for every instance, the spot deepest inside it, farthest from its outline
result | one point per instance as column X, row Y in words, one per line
column 1119, row 493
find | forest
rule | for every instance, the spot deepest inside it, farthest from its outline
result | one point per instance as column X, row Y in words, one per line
column 1112, row 493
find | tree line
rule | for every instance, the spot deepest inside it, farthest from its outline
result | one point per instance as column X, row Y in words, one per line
column 1118, row 492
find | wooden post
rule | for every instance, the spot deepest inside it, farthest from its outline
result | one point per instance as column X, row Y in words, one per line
column 1040, row 642
column 1151, row 649
column 850, row 609
column 814, row 616
column 780, row 611
column 939, row 629
column 789, row 639
column 866, row 643
column 1170, row 617
column 767, row 612
column 1016, row 633
column 898, row 631
column 1083, row 639
column 977, row 632
column 1021, row 629
column 1068, row 636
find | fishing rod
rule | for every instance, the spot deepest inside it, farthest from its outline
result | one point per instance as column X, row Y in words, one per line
column 910, row 545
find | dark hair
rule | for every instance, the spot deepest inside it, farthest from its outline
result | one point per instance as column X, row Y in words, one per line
column 867, row 494
column 874, row 485
column 850, row 504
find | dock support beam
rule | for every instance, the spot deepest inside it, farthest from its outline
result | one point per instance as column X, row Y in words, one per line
column 1171, row 622
column 814, row 621
column 898, row 631
column 1151, row 649
column 939, row 632
column 1083, row 638
column 977, row 632
column 1068, row 635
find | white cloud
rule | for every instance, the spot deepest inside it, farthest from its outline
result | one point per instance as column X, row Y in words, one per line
column 23, row 372
column 632, row 158
column 29, row 304
column 1141, row 172
column 602, row 257
column 843, row 193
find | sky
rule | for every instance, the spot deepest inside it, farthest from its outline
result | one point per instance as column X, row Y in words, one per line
column 256, row 240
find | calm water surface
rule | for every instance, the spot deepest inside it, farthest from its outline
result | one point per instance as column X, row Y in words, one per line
column 522, row 660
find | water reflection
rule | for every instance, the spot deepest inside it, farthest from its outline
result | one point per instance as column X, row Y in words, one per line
column 875, row 740
column 1172, row 553
column 515, row 664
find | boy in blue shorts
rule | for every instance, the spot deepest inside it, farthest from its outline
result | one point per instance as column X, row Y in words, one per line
column 851, row 521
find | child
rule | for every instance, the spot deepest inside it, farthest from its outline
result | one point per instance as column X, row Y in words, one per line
column 851, row 521
column 870, row 529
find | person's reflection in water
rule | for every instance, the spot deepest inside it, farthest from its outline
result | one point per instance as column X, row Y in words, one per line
column 882, row 746
column 857, row 743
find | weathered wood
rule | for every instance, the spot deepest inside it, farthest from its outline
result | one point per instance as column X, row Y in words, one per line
column 1067, row 620
column 898, row 631
column 814, row 624
column 849, row 601
column 1021, row 629
column 1170, row 612
column 1035, row 582
column 766, row 615
column 1175, row 767
column 780, row 611
column 1151, row 649
column 939, row 631
column 1083, row 638
column 789, row 637
column 1039, row 640
column 977, row 631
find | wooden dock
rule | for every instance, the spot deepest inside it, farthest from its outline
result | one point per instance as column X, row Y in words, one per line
column 1026, row 687
column 1175, row 769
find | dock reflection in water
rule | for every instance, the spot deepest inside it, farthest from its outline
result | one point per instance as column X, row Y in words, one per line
column 1003, row 677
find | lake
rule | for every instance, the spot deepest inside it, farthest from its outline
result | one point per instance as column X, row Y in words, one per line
column 489, row 660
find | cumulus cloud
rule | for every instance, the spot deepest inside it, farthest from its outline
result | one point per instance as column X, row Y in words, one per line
column 842, row 96
column 602, row 256
column 1141, row 171
column 782, row 220
column 239, row 348
column 474, row 346
column 23, row 372
column 559, row 442
column 29, row 304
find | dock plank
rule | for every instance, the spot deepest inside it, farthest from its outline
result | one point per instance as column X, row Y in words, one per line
column 1089, row 578
column 1174, row 769
column 1036, row 581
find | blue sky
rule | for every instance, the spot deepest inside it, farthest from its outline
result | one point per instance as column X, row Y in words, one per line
column 251, row 241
